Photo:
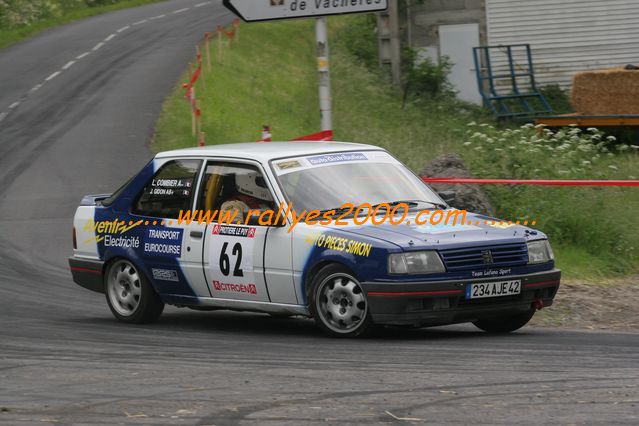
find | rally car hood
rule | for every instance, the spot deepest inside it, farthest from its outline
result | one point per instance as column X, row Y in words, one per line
column 442, row 236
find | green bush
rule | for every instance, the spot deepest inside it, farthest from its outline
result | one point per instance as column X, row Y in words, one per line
column 21, row 13
column 24, row 13
column 360, row 40
column 557, row 98
column 426, row 79
column 93, row 3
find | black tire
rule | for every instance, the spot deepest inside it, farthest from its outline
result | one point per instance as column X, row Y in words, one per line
column 505, row 324
column 347, row 315
column 129, row 294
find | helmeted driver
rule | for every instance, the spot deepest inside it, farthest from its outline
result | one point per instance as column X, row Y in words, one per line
column 252, row 194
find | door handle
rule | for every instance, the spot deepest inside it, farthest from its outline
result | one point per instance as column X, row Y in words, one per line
column 196, row 234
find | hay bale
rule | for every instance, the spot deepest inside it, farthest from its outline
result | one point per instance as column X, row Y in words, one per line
column 606, row 92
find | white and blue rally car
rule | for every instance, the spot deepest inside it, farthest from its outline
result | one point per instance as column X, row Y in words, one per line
column 131, row 245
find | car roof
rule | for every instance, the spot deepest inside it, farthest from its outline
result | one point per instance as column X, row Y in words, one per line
column 266, row 151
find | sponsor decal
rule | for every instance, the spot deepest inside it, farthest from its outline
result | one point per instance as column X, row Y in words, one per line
column 163, row 241
column 121, row 241
column 234, row 231
column 235, row 288
column 492, row 273
column 288, row 164
column 165, row 274
column 103, row 228
column 337, row 158
column 342, row 244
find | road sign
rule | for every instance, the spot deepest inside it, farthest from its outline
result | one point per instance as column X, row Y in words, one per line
column 268, row 10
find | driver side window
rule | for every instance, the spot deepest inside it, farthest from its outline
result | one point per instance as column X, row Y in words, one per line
column 234, row 187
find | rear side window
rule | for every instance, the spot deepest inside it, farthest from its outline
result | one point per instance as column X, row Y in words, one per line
column 169, row 191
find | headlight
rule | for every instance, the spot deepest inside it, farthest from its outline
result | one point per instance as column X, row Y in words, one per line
column 417, row 262
column 539, row 252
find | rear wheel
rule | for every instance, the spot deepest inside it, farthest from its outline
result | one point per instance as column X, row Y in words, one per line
column 338, row 303
column 505, row 324
column 130, row 295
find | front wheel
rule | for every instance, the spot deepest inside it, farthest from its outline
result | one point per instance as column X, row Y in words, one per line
column 130, row 295
column 338, row 303
column 505, row 324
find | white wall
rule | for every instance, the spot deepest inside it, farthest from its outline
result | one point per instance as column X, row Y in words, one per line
column 567, row 36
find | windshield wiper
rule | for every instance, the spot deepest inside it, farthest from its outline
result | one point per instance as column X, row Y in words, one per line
column 413, row 203
column 337, row 210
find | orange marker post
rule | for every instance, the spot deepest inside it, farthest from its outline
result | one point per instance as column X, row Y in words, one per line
column 198, row 54
column 193, row 111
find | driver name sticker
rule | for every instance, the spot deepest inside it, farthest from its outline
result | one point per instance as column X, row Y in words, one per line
column 231, row 260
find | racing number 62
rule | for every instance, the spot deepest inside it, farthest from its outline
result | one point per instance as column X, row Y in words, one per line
column 225, row 261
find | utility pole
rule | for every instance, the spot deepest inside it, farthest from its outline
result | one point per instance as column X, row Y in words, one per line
column 389, row 41
column 323, row 68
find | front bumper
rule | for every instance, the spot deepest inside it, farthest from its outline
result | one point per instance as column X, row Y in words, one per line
column 87, row 273
column 444, row 302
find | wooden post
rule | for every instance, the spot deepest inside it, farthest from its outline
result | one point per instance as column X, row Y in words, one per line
column 191, row 97
column 207, row 47
column 220, row 33
column 193, row 112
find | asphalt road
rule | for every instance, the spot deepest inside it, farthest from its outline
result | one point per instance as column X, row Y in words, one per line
column 69, row 129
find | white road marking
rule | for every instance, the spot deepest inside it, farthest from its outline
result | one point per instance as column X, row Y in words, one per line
column 95, row 48
column 52, row 76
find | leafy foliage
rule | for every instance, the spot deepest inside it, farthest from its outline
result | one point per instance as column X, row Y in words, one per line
column 583, row 217
column 426, row 79
column 557, row 98
column 360, row 40
column 23, row 13
column 20, row 13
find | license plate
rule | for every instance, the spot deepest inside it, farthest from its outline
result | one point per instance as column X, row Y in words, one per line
column 493, row 289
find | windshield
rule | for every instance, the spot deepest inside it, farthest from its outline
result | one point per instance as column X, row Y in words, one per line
column 331, row 185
